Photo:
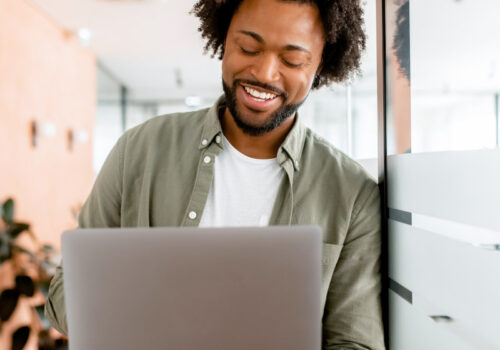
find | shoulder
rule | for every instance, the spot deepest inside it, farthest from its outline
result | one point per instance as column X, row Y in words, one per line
column 161, row 137
column 331, row 186
column 320, row 155
column 337, row 174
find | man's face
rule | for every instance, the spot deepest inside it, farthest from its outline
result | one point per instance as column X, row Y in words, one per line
column 271, row 55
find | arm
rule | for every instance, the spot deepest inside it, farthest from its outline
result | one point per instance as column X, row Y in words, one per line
column 353, row 312
column 102, row 209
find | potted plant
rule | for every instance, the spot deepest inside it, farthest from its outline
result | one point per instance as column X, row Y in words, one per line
column 31, row 266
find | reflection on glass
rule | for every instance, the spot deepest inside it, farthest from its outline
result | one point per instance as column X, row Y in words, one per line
column 454, row 60
column 398, row 77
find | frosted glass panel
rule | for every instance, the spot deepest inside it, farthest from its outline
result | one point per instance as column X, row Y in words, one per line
column 459, row 186
column 451, row 278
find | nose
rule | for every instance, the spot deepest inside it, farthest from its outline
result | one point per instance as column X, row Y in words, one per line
column 266, row 69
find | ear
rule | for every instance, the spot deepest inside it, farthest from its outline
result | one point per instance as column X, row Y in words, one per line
column 317, row 75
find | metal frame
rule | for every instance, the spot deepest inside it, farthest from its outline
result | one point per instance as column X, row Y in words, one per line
column 382, row 160
column 123, row 106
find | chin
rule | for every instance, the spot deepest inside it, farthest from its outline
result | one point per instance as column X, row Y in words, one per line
column 254, row 118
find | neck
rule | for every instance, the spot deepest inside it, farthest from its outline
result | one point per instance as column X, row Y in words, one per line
column 264, row 146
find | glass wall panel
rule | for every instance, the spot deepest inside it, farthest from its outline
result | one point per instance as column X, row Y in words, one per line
column 442, row 79
column 444, row 57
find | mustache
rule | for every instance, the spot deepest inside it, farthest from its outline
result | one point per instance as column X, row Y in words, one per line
column 261, row 85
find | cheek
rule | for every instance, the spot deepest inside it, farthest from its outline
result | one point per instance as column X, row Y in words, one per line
column 300, row 85
column 232, row 65
column 225, row 69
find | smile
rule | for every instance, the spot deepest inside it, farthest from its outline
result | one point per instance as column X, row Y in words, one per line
column 259, row 96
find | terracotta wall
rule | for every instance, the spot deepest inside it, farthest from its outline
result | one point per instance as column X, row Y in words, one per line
column 45, row 75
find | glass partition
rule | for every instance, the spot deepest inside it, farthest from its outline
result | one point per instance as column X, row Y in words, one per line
column 444, row 57
column 440, row 70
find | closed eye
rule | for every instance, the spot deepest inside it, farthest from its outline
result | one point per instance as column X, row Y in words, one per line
column 290, row 64
column 248, row 52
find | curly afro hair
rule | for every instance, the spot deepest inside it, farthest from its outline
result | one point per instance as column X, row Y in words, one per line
column 342, row 21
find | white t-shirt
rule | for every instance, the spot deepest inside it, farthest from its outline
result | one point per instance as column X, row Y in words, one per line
column 243, row 190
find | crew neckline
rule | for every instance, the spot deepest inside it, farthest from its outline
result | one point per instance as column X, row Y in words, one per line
column 244, row 157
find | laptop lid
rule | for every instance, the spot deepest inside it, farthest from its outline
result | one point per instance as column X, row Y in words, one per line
column 193, row 288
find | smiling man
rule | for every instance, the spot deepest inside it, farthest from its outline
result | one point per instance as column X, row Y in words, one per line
column 249, row 161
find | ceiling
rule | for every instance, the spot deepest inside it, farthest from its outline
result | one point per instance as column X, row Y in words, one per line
column 147, row 45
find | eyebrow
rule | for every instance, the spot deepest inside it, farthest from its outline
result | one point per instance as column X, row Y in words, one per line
column 289, row 47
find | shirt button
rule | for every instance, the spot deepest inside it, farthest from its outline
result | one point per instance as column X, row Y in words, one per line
column 207, row 159
column 204, row 142
column 192, row 215
column 217, row 139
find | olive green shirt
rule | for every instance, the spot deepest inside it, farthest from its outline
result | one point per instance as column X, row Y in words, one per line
column 156, row 176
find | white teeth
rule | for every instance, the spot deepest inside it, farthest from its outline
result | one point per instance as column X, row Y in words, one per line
column 259, row 95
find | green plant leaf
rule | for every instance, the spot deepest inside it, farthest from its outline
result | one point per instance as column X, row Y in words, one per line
column 8, row 303
column 5, row 247
column 17, row 228
column 40, row 310
column 44, row 287
column 25, row 285
column 20, row 338
column 48, row 248
column 8, row 210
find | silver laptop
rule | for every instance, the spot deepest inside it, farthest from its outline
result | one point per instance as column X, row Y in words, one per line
column 193, row 288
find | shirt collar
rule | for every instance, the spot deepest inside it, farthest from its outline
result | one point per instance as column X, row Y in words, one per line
column 293, row 145
column 212, row 127
column 291, row 148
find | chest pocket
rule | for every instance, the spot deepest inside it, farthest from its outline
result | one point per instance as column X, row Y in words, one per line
column 331, row 253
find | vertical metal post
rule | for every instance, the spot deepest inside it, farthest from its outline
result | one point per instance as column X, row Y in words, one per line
column 382, row 160
column 123, row 105
column 497, row 112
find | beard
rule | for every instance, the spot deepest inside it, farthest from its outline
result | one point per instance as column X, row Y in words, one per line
column 272, row 122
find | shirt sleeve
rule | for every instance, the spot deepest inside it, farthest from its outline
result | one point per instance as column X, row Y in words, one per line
column 353, row 312
column 102, row 209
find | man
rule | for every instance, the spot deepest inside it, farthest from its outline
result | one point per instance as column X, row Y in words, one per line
column 249, row 161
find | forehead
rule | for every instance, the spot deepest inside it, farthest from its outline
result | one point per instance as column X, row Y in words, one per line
column 280, row 21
